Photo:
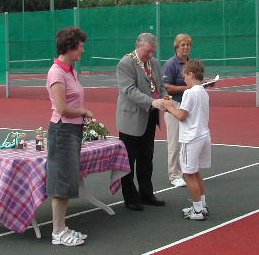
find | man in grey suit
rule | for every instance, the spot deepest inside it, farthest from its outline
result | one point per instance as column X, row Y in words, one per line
column 139, row 101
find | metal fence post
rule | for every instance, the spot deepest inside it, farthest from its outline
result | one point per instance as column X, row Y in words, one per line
column 7, row 76
column 257, row 50
column 77, row 24
column 158, row 16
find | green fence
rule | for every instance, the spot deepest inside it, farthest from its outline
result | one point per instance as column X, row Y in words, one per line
column 3, row 49
column 224, row 34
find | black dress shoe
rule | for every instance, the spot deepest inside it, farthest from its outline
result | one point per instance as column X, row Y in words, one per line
column 152, row 201
column 134, row 206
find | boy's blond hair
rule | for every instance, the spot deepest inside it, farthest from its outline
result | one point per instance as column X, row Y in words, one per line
column 196, row 67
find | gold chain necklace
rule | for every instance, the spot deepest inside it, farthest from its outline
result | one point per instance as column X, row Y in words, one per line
column 142, row 65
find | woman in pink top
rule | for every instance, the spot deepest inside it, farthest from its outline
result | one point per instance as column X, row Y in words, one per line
column 65, row 132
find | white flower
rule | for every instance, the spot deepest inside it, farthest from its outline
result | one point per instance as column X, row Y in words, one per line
column 93, row 133
column 94, row 130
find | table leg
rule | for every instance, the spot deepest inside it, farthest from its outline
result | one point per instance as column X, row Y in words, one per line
column 90, row 198
column 99, row 204
column 36, row 228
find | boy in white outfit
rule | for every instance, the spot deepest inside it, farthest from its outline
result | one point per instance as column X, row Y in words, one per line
column 194, row 136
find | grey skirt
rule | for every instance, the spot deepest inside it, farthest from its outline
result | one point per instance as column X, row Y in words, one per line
column 63, row 162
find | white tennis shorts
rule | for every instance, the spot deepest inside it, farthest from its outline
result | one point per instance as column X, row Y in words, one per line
column 195, row 155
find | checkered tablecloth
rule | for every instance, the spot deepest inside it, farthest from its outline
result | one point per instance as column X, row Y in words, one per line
column 23, row 177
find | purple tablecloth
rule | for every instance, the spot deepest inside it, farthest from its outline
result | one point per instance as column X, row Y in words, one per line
column 23, row 177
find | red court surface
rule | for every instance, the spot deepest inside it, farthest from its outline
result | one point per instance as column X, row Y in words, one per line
column 237, row 238
column 235, row 82
column 229, row 125
column 233, row 117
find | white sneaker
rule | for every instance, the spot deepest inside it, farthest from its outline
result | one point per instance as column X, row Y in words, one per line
column 187, row 211
column 179, row 182
column 190, row 213
column 205, row 211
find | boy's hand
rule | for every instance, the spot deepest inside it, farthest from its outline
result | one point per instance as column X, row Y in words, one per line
column 168, row 97
column 168, row 102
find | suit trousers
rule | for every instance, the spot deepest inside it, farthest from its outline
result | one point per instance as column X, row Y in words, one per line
column 173, row 145
column 140, row 152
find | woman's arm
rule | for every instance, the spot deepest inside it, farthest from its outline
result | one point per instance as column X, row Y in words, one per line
column 61, row 104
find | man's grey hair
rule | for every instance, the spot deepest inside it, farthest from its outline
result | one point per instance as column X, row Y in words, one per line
column 146, row 37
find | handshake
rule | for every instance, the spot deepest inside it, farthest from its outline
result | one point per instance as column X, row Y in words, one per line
column 163, row 104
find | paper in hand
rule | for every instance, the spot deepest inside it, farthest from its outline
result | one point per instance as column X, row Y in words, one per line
column 210, row 83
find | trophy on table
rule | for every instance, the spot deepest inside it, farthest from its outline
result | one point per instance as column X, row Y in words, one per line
column 40, row 139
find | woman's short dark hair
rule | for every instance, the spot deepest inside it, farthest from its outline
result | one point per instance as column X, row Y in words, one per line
column 69, row 38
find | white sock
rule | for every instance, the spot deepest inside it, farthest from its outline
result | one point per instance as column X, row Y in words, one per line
column 197, row 206
column 204, row 204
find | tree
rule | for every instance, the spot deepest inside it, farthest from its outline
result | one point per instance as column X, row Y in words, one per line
column 44, row 5
column 29, row 5
column 9, row 6
column 35, row 5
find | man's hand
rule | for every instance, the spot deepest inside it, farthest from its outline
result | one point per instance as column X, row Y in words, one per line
column 158, row 103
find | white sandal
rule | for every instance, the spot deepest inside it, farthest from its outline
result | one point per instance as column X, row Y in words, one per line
column 67, row 238
column 78, row 234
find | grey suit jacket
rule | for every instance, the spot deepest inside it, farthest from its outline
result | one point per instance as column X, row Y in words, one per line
column 135, row 99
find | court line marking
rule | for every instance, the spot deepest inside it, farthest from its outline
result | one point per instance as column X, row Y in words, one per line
column 201, row 233
column 234, row 91
column 235, row 145
column 220, row 89
column 235, row 86
column 83, row 85
column 214, row 144
column 18, row 129
column 120, row 202
column 222, row 144
column 157, row 140
column 215, row 176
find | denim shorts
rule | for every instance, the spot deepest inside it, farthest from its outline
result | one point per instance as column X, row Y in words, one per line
column 63, row 162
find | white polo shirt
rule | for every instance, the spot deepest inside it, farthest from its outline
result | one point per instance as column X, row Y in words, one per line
column 196, row 102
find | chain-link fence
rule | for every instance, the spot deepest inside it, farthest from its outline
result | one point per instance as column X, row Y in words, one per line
column 224, row 35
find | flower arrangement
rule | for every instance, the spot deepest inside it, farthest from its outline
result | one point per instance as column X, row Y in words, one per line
column 94, row 130
column 40, row 132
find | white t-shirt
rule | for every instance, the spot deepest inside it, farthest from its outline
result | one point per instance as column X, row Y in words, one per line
column 196, row 102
